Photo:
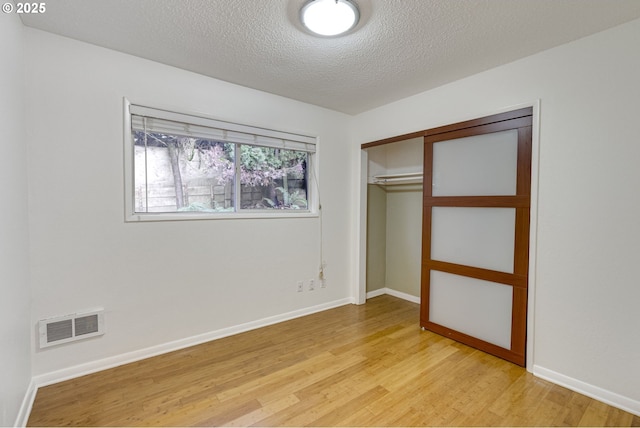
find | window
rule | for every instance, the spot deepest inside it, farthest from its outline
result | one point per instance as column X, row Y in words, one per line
column 181, row 166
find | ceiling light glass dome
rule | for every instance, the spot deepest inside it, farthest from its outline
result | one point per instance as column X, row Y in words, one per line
column 329, row 17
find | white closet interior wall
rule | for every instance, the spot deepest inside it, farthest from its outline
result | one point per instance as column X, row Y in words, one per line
column 394, row 223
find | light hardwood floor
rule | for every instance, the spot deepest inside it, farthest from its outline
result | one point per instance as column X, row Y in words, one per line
column 367, row 365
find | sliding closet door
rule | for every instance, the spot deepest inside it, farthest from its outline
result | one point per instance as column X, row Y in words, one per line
column 477, row 187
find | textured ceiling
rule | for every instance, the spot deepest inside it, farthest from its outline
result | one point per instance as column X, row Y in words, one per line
column 398, row 49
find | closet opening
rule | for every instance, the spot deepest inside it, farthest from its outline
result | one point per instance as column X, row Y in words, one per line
column 394, row 218
column 448, row 220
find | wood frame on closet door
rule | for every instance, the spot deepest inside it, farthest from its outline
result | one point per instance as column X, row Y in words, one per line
column 520, row 120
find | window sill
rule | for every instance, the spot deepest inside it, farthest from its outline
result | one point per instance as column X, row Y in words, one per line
column 189, row 216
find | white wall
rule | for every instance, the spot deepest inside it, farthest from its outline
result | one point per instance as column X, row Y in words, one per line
column 83, row 254
column 404, row 219
column 586, row 293
column 162, row 281
column 404, row 239
column 376, row 237
column 15, row 333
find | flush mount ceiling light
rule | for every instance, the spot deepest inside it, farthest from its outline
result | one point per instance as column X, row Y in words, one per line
column 329, row 17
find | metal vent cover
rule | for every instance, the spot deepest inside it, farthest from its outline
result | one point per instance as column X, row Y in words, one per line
column 86, row 325
column 69, row 328
column 59, row 330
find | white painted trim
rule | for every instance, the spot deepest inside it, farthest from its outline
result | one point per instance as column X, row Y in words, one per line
column 376, row 293
column 361, row 236
column 597, row 393
column 231, row 215
column 394, row 293
column 404, row 296
column 608, row 397
column 533, row 234
column 130, row 357
column 533, row 222
column 129, row 199
column 27, row 405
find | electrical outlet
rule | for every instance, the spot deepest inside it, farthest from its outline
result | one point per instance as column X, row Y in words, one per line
column 300, row 286
column 312, row 285
column 323, row 283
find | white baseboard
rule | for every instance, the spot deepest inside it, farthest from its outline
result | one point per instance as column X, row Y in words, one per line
column 130, row 357
column 376, row 293
column 394, row 293
column 27, row 405
column 600, row 394
column 613, row 399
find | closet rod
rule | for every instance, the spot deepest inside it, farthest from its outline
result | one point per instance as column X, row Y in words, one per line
column 398, row 180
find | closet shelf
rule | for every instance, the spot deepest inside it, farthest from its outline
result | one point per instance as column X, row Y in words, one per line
column 393, row 179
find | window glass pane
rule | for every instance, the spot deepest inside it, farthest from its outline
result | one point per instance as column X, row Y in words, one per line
column 273, row 178
column 174, row 173
column 186, row 164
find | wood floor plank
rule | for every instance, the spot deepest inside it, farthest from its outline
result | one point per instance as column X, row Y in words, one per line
column 367, row 365
column 267, row 410
column 334, row 416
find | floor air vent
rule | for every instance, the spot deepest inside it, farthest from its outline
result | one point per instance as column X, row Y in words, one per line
column 69, row 328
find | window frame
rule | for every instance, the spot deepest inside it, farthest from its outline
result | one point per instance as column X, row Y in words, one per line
column 131, row 215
